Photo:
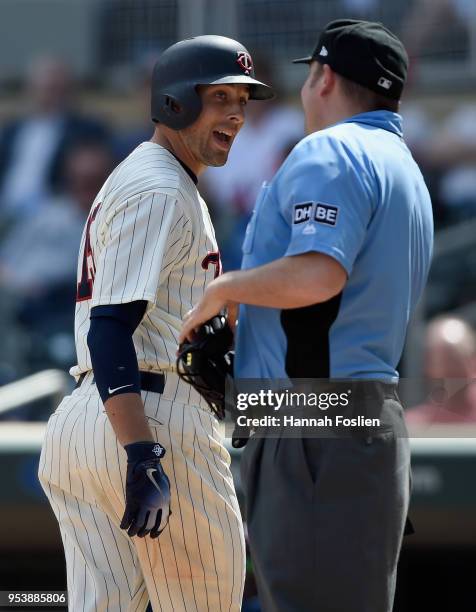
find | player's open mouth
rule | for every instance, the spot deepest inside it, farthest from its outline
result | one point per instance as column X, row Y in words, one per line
column 223, row 138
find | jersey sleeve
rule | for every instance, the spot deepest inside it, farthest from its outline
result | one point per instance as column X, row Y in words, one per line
column 325, row 199
column 140, row 239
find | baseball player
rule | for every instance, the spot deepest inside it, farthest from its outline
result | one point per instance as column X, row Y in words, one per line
column 133, row 441
column 334, row 261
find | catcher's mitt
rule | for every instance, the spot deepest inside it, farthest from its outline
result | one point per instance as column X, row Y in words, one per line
column 205, row 362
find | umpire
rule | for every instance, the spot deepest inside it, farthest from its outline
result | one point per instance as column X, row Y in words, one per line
column 335, row 259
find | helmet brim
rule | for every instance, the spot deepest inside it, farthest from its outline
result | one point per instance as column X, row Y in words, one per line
column 258, row 90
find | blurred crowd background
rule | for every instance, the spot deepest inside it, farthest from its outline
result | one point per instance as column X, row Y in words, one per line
column 74, row 102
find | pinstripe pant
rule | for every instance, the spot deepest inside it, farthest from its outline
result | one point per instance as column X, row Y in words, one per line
column 198, row 562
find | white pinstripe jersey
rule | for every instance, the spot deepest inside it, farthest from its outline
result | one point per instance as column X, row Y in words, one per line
column 148, row 237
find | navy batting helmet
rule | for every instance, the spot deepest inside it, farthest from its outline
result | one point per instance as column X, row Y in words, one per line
column 203, row 60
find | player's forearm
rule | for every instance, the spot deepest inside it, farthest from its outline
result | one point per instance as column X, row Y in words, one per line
column 289, row 282
column 116, row 370
column 126, row 414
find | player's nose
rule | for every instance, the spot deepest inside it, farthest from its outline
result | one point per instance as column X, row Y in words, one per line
column 236, row 114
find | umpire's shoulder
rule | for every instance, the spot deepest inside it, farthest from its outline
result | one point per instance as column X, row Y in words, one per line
column 329, row 141
column 334, row 147
column 324, row 158
column 316, row 152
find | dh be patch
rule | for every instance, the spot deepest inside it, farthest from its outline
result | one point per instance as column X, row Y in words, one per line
column 325, row 213
column 302, row 212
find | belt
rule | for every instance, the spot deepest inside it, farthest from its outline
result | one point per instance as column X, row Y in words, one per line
column 149, row 381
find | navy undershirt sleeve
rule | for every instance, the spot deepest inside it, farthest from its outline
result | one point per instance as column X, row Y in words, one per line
column 112, row 350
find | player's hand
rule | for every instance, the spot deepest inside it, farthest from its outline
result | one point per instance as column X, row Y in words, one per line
column 210, row 305
column 147, row 491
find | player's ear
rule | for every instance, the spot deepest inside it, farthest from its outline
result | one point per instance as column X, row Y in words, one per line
column 327, row 80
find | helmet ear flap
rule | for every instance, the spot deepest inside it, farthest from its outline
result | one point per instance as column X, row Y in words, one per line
column 172, row 106
column 168, row 109
column 177, row 109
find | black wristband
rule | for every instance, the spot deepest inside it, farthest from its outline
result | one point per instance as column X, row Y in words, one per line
column 140, row 451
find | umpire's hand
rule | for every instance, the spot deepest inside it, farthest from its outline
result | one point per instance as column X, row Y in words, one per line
column 147, row 491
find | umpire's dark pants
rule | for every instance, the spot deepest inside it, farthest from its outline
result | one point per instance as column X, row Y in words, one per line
column 326, row 516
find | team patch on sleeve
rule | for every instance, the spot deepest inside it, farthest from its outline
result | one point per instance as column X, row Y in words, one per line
column 326, row 213
column 315, row 211
column 303, row 212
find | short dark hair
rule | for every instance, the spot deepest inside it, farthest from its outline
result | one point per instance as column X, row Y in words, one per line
column 367, row 99
column 363, row 97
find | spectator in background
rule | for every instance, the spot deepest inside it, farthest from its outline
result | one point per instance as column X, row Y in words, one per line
column 38, row 260
column 441, row 30
column 267, row 137
column 419, row 128
column 32, row 147
column 446, row 153
column 450, row 367
column 451, row 155
column 128, row 139
column 428, row 21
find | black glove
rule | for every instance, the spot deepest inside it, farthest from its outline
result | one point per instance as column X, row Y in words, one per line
column 240, row 436
column 206, row 362
column 147, row 491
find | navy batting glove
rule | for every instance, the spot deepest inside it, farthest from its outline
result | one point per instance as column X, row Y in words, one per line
column 147, row 491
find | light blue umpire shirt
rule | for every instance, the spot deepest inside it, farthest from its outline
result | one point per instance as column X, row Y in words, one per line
column 354, row 192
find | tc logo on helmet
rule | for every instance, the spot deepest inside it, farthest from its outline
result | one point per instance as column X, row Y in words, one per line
column 244, row 61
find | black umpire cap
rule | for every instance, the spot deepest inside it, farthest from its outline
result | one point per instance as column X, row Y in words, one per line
column 364, row 52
